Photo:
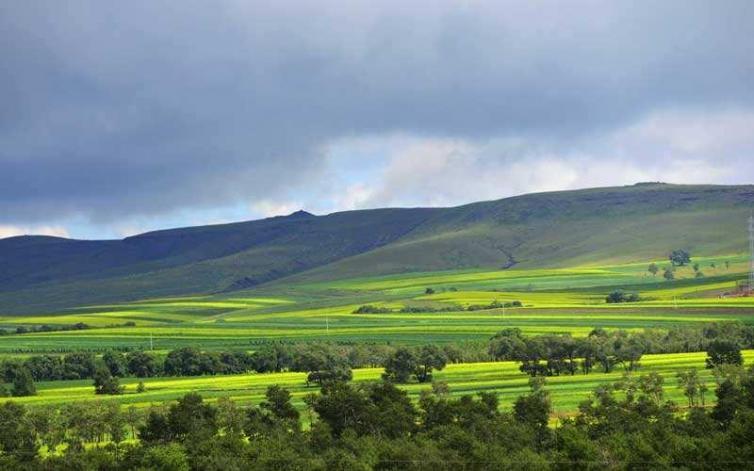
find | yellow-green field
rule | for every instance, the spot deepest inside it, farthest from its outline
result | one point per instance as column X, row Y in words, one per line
column 554, row 301
column 502, row 378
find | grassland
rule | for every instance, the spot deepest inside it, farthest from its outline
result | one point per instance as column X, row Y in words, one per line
column 563, row 300
column 554, row 301
column 502, row 378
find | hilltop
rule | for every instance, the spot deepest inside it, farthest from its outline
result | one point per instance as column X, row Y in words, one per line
column 566, row 228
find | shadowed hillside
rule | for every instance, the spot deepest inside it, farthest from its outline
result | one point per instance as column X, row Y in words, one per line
column 547, row 229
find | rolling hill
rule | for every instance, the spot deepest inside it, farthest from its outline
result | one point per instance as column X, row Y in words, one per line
column 546, row 229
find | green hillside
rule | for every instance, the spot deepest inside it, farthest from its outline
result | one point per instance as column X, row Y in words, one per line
column 605, row 225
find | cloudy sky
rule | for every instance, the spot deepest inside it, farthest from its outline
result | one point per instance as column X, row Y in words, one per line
column 122, row 117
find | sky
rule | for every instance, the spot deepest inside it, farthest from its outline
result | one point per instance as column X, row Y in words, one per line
column 118, row 118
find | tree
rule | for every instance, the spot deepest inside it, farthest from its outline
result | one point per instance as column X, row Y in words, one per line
column 620, row 296
column 723, row 352
column 278, row 403
column 79, row 365
column 695, row 267
column 692, row 387
column 506, row 344
column 116, row 363
column 192, row 419
column 653, row 269
column 429, row 291
column 534, row 409
column 17, row 437
column 728, row 398
column 22, row 381
column 668, row 274
column 343, row 407
column 140, row 388
column 142, row 364
column 429, row 358
column 106, row 383
column 679, row 257
column 400, row 366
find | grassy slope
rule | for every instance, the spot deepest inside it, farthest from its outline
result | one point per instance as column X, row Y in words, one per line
column 556, row 300
column 549, row 229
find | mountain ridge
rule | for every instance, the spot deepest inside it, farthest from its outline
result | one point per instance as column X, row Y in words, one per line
column 538, row 229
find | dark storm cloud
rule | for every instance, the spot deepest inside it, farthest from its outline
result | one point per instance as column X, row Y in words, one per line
column 115, row 109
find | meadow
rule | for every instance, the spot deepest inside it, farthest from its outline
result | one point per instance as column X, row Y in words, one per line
column 569, row 300
column 502, row 378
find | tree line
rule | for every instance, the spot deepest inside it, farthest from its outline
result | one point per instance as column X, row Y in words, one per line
column 552, row 355
column 544, row 355
column 625, row 425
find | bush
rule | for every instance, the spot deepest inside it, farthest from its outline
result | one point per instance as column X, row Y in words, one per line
column 370, row 309
column 620, row 296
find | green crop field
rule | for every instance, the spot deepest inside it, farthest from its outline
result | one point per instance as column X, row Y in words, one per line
column 566, row 300
column 503, row 378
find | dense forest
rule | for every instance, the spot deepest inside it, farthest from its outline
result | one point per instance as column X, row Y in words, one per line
column 627, row 425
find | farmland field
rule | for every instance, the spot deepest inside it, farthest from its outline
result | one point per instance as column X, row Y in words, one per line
column 570, row 300
column 553, row 301
column 502, row 378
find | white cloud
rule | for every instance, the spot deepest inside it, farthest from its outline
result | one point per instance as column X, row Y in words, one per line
column 677, row 147
column 269, row 208
column 11, row 231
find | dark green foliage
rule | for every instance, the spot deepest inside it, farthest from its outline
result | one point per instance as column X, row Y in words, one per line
column 723, row 352
column 106, row 383
column 679, row 257
column 22, row 382
column 653, row 269
column 534, row 409
column 400, row 366
column 17, row 436
column 728, row 403
column 668, row 274
column 429, row 358
column 78, row 365
column 142, row 365
column 429, row 291
column 116, row 363
column 620, row 296
column 627, row 425
column 370, row 309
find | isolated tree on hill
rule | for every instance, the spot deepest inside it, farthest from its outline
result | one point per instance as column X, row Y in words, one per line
column 668, row 274
column 679, row 257
column 653, row 269
column 723, row 352
column 106, row 383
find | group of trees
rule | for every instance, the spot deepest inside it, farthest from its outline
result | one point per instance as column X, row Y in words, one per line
column 372, row 309
column 552, row 355
column 549, row 355
column 419, row 363
column 620, row 296
column 680, row 258
column 625, row 425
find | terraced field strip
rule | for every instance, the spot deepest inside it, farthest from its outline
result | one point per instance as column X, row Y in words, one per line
column 502, row 378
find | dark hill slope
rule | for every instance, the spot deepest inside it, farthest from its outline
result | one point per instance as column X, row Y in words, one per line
column 546, row 229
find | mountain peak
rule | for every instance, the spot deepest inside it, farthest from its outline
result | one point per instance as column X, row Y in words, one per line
column 300, row 214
